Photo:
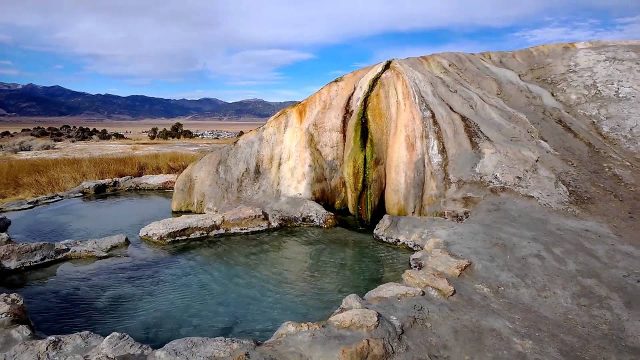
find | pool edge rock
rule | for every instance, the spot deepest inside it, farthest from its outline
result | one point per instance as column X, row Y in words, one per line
column 24, row 256
column 287, row 212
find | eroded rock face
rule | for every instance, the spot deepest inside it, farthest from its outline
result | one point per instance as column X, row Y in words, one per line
column 420, row 136
column 22, row 256
column 239, row 220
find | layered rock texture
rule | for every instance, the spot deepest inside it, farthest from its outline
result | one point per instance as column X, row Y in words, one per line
column 426, row 136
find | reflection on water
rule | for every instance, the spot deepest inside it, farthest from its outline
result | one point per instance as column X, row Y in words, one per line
column 238, row 286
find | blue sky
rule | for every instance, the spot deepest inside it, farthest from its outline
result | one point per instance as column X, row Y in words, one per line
column 276, row 50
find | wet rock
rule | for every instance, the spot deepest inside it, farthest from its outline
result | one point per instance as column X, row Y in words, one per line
column 392, row 290
column 367, row 349
column 428, row 278
column 120, row 346
column 356, row 319
column 4, row 224
column 239, row 220
column 198, row 348
column 439, row 260
column 22, row 256
column 292, row 327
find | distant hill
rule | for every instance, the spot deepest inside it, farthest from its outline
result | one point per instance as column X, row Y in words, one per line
column 36, row 100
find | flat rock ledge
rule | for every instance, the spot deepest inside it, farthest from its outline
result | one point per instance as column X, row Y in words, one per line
column 242, row 219
column 24, row 256
column 431, row 265
column 127, row 183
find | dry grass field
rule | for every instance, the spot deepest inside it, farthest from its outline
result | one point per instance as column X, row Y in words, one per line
column 27, row 178
column 34, row 167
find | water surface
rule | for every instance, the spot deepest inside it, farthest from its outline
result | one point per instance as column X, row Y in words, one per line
column 236, row 286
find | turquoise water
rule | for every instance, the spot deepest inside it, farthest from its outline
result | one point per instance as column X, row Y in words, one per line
column 238, row 286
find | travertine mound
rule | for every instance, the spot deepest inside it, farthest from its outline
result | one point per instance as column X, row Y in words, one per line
column 428, row 135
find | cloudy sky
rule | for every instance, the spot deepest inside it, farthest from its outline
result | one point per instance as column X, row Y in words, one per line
column 276, row 50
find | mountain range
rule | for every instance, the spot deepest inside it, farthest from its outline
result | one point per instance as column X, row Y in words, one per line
column 36, row 100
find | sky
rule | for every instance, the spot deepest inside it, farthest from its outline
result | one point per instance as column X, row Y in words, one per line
column 275, row 50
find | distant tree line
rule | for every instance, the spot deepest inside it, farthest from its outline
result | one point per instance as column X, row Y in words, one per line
column 73, row 133
column 177, row 131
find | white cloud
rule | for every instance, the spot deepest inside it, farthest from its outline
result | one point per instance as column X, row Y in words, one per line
column 240, row 40
column 9, row 71
column 621, row 29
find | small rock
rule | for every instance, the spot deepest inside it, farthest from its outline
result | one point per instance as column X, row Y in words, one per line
column 356, row 319
column 12, row 311
column 292, row 327
column 352, row 301
column 392, row 290
column 439, row 260
column 119, row 345
column 5, row 239
column 198, row 348
column 367, row 349
column 4, row 224
column 428, row 278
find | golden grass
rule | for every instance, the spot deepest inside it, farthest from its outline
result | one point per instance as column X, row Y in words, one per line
column 27, row 178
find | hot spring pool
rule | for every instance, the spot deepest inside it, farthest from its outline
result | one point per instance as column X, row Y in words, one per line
column 238, row 286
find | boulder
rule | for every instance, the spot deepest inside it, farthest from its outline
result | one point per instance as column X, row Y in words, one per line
column 120, row 346
column 352, row 301
column 292, row 327
column 290, row 211
column 23, row 256
column 392, row 290
column 439, row 260
column 5, row 239
column 428, row 278
column 356, row 319
column 4, row 224
column 12, row 311
column 198, row 348
column 410, row 231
